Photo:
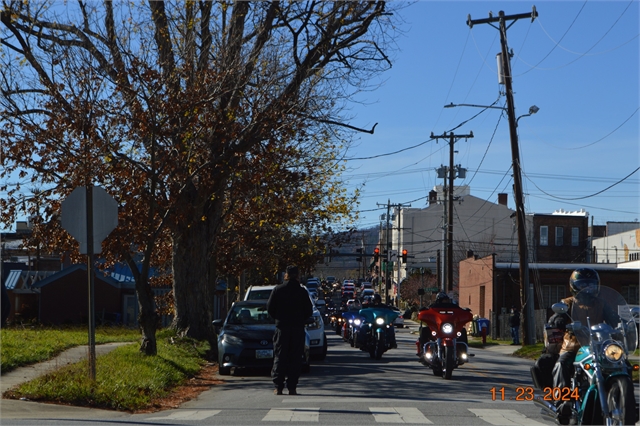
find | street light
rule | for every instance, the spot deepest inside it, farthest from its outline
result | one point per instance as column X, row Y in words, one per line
column 532, row 109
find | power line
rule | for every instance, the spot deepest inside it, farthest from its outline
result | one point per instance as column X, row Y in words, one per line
column 587, row 196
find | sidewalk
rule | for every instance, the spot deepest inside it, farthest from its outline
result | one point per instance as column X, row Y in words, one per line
column 505, row 349
column 16, row 409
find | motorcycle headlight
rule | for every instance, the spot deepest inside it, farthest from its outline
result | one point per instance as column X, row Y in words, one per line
column 232, row 340
column 379, row 321
column 447, row 328
column 613, row 352
column 357, row 322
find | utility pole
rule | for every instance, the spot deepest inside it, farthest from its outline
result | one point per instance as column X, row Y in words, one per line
column 388, row 247
column 526, row 287
column 449, row 237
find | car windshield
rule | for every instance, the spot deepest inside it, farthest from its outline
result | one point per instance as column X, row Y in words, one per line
column 259, row 294
column 249, row 314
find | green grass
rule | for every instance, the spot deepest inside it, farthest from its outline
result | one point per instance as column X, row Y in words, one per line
column 126, row 379
column 20, row 346
column 476, row 342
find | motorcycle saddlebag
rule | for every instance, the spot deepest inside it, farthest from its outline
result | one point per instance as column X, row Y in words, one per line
column 542, row 371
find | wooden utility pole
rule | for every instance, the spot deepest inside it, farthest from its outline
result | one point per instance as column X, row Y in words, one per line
column 449, row 237
column 526, row 287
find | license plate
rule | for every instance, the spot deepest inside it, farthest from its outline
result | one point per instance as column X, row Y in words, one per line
column 264, row 353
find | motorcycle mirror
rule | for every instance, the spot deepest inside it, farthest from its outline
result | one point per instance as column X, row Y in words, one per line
column 560, row 308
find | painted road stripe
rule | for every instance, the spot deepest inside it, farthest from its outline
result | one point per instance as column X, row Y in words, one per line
column 292, row 415
column 186, row 415
column 504, row 417
column 398, row 415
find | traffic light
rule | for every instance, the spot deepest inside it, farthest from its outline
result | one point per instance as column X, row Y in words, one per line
column 376, row 254
column 359, row 259
column 404, row 255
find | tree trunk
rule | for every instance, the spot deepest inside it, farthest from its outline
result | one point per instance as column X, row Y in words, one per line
column 148, row 318
column 193, row 295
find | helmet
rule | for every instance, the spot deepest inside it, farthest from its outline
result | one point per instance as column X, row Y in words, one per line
column 585, row 279
column 442, row 297
column 377, row 298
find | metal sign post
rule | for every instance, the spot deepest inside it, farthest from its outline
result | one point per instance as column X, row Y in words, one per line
column 89, row 214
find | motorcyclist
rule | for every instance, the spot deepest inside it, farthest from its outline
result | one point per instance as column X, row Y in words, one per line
column 376, row 303
column 584, row 285
column 443, row 301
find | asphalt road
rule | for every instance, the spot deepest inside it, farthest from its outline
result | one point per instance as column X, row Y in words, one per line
column 347, row 388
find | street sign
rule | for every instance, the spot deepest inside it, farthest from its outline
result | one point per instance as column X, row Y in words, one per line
column 74, row 216
column 431, row 289
column 393, row 255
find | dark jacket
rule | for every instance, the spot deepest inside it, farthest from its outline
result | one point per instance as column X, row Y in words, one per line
column 514, row 319
column 290, row 304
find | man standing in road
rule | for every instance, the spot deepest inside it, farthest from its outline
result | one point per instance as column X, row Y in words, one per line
column 290, row 305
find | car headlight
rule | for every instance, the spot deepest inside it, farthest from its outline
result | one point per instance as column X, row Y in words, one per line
column 613, row 352
column 317, row 323
column 232, row 340
column 357, row 322
column 447, row 328
column 379, row 321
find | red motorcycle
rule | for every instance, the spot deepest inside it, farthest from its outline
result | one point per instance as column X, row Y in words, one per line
column 448, row 346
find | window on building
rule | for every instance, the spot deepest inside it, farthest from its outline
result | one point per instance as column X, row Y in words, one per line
column 544, row 235
column 552, row 294
column 559, row 235
column 575, row 236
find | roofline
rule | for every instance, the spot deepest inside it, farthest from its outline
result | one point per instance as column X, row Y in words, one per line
column 66, row 271
column 572, row 266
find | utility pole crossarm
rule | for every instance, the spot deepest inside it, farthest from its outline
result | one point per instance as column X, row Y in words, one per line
column 491, row 19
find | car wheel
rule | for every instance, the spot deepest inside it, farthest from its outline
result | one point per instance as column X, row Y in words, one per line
column 224, row 371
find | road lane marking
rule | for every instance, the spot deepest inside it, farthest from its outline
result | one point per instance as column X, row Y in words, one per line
column 186, row 415
column 504, row 417
column 292, row 415
column 399, row 415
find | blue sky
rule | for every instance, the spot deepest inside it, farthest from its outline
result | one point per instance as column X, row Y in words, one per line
column 578, row 62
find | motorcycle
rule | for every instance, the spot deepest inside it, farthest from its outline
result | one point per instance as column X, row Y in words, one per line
column 602, row 389
column 376, row 334
column 448, row 349
column 336, row 321
column 352, row 322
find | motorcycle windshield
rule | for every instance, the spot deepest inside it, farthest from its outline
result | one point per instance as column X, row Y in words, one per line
column 351, row 315
column 370, row 314
column 437, row 317
column 608, row 315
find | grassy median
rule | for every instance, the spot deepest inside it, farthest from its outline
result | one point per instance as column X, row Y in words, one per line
column 126, row 379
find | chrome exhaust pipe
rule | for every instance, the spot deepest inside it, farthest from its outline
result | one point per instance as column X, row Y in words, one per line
column 547, row 407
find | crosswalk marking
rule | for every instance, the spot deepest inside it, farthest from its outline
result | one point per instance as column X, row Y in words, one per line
column 503, row 417
column 398, row 415
column 292, row 415
column 186, row 415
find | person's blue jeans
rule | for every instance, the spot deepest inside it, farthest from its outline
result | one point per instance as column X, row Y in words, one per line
column 515, row 335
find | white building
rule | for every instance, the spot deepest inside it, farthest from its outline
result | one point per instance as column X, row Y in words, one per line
column 479, row 226
column 617, row 248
